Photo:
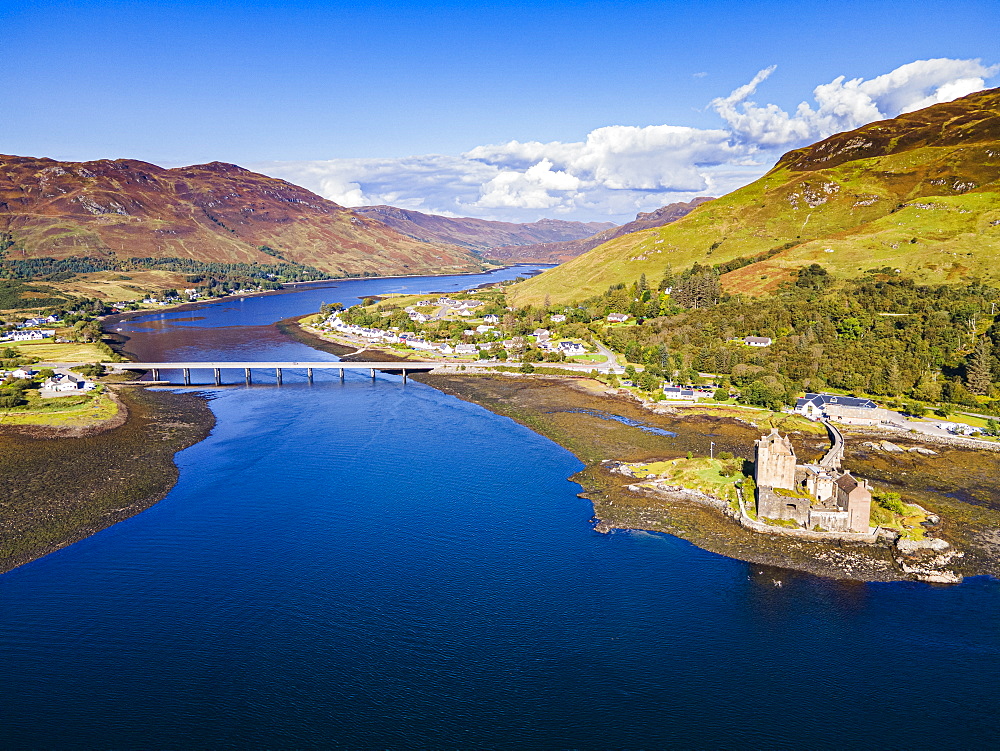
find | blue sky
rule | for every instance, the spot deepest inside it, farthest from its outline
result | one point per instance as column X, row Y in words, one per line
column 370, row 101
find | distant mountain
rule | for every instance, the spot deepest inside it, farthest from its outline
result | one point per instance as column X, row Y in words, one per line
column 209, row 212
column 479, row 234
column 558, row 252
column 919, row 193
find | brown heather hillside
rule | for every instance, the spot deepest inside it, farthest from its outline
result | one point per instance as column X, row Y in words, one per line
column 919, row 193
column 479, row 234
column 209, row 212
column 559, row 252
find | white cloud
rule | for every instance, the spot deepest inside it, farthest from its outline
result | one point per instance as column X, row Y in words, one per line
column 847, row 104
column 619, row 170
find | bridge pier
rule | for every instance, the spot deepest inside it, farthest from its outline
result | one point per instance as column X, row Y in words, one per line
column 309, row 374
column 187, row 376
column 156, row 374
column 404, row 375
column 373, row 373
column 249, row 379
column 341, row 375
column 218, row 377
column 277, row 373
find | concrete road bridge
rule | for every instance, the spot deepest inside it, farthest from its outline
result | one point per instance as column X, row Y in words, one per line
column 403, row 367
column 279, row 367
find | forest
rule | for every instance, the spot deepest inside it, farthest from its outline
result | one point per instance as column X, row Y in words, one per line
column 880, row 334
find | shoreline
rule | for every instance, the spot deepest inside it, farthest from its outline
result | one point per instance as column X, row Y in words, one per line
column 707, row 524
column 192, row 304
column 59, row 489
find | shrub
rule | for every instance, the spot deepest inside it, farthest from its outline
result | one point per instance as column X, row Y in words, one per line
column 93, row 370
column 721, row 395
column 6, row 402
column 891, row 502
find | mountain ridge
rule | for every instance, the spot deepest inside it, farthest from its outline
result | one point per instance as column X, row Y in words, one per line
column 213, row 212
column 479, row 234
column 559, row 252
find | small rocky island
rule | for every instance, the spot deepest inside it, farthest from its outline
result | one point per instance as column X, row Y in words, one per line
column 816, row 503
column 819, row 497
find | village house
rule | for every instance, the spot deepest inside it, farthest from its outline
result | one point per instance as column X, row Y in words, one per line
column 815, row 496
column 23, row 373
column 617, row 317
column 541, row 335
column 677, row 393
column 557, row 318
column 572, row 348
column 848, row 410
column 40, row 321
column 28, row 335
column 466, row 349
column 68, row 383
column 491, row 318
column 757, row 341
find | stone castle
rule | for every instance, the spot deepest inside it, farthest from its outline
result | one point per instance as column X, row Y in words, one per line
column 812, row 495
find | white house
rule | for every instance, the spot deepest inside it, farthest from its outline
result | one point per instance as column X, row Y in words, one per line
column 420, row 344
column 541, row 335
column 491, row 318
column 617, row 317
column 466, row 349
column 69, row 383
column 558, row 318
column 23, row 373
column 29, row 335
column 757, row 341
column 572, row 348
column 40, row 321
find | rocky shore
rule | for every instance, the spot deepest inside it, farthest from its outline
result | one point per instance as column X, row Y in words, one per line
column 58, row 488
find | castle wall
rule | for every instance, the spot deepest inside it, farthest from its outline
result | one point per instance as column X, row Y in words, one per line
column 773, row 505
column 830, row 521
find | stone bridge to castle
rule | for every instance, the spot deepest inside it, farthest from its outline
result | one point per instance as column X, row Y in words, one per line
column 835, row 456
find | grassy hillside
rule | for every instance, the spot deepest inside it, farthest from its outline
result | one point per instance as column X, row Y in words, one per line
column 919, row 193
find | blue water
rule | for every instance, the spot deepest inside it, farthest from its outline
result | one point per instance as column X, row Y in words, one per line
column 379, row 565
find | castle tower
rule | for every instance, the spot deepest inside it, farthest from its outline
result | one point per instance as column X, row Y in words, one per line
column 774, row 461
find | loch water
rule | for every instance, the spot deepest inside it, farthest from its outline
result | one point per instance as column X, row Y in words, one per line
column 372, row 564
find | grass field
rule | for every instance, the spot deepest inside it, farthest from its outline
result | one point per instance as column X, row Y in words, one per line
column 77, row 410
column 700, row 473
column 74, row 352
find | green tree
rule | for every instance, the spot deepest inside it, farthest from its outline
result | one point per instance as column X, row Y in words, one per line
column 979, row 370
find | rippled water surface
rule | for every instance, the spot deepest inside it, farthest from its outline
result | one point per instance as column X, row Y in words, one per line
column 379, row 565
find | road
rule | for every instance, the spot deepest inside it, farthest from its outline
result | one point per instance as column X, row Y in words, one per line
column 612, row 365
